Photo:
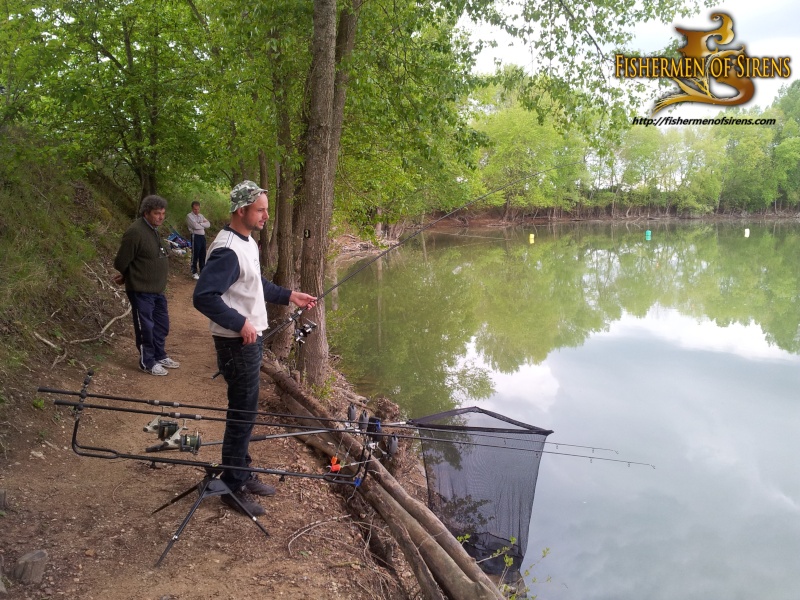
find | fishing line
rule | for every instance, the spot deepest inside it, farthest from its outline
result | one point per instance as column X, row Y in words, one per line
column 297, row 313
column 490, row 435
column 432, row 223
column 453, row 441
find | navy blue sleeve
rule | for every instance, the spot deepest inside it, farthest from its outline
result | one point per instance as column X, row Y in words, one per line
column 220, row 273
column 275, row 294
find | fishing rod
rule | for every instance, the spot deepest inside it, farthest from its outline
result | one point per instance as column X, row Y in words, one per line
column 308, row 430
column 349, row 422
column 304, row 331
column 110, row 453
column 371, row 427
column 194, row 417
column 173, row 404
column 388, row 437
column 374, row 431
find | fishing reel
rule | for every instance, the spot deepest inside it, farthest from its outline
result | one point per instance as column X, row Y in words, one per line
column 303, row 330
column 190, row 442
column 172, row 437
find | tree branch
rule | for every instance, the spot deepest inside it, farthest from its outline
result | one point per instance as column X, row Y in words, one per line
column 102, row 331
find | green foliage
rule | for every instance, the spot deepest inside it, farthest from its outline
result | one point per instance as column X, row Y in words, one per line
column 408, row 148
column 38, row 403
column 45, row 234
column 121, row 86
column 544, row 166
column 53, row 230
column 324, row 390
column 514, row 589
column 572, row 83
column 187, row 99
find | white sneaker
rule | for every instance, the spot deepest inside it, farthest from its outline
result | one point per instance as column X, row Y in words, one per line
column 156, row 369
column 169, row 363
column 195, row 276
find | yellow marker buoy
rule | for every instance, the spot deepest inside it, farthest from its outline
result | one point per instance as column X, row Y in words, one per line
column 530, row 238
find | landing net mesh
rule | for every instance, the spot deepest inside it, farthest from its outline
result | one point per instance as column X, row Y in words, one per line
column 482, row 469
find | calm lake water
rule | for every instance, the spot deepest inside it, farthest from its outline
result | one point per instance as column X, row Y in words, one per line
column 682, row 352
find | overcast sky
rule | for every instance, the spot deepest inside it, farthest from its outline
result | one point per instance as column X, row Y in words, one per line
column 768, row 28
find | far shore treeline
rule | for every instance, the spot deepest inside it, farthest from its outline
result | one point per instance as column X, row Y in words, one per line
column 355, row 115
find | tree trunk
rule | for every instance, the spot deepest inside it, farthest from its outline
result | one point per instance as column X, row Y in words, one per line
column 148, row 181
column 328, row 84
column 315, row 195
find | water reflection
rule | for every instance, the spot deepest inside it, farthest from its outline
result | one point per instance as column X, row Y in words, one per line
column 681, row 352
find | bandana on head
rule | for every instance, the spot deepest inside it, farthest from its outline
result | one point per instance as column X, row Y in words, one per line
column 243, row 194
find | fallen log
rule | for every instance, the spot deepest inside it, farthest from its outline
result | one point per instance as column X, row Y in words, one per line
column 431, row 564
column 424, row 577
column 432, row 545
column 426, row 580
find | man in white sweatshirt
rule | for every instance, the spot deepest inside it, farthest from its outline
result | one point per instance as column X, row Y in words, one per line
column 232, row 293
column 197, row 225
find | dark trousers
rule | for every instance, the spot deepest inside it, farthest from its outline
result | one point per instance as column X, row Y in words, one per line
column 150, row 326
column 198, row 252
column 240, row 365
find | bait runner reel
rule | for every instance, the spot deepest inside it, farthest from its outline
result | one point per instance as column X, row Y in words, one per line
column 172, row 436
column 301, row 330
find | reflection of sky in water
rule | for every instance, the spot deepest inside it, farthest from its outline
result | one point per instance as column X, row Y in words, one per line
column 715, row 410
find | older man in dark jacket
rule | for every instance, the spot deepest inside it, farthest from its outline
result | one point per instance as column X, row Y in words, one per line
column 142, row 261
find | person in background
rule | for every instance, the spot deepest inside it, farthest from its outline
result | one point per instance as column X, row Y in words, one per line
column 197, row 225
column 232, row 293
column 143, row 263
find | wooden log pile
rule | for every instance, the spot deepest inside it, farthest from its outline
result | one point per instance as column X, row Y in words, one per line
column 441, row 565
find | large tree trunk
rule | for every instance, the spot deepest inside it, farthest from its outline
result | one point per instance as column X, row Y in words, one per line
column 328, row 83
column 315, row 195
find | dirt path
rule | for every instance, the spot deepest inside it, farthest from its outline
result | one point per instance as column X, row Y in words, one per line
column 93, row 516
